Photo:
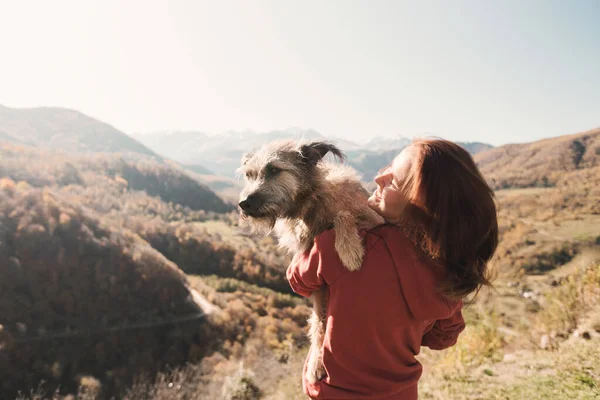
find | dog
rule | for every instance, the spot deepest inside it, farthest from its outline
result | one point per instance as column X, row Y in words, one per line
column 292, row 191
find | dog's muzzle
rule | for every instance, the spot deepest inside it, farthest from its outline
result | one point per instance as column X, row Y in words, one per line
column 251, row 205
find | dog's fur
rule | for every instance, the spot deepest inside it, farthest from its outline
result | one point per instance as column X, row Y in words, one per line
column 298, row 195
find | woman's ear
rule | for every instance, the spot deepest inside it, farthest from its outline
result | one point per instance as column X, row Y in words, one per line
column 315, row 151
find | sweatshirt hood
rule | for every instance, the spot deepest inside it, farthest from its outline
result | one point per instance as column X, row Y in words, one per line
column 418, row 278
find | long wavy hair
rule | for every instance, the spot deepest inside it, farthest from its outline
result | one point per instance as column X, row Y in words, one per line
column 451, row 214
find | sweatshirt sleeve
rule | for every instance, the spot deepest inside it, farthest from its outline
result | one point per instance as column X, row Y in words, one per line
column 304, row 272
column 444, row 332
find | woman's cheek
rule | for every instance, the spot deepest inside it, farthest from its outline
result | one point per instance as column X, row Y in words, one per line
column 388, row 199
column 393, row 203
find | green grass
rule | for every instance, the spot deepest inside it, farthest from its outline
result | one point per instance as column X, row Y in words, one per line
column 483, row 365
column 572, row 372
column 225, row 232
column 231, row 285
column 576, row 375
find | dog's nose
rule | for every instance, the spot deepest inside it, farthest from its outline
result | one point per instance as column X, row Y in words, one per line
column 251, row 204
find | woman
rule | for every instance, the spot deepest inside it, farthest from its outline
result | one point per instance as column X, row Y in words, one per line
column 440, row 232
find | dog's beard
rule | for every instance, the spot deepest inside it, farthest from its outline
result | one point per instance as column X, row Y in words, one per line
column 264, row 222
column 259, row 226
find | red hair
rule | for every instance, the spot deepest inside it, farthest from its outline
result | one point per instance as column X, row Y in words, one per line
column 452, row 214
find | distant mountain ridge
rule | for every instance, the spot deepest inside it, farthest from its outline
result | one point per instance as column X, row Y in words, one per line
column 380, row 143
column 222, row 153
column 541, row 163
column 62, row 133
column 66, row 130
column 200, row 153
column 369, row 162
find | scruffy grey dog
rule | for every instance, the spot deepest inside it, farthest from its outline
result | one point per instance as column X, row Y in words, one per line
column 292, row 191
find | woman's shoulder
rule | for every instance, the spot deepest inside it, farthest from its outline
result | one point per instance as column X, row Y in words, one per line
column 386, row 238
column 325, row 239
column 402, row 248
column 418, row 274
column 391, row 234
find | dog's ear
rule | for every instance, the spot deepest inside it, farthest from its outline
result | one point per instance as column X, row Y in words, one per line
column 247, row 157
column 315, row 151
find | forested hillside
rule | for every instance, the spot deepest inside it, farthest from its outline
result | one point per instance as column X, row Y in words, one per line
column 122, row 275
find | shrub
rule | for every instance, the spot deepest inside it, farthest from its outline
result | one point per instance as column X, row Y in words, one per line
column 544, row 262
column 479, row 342
column 563, row 306
column 240, row 386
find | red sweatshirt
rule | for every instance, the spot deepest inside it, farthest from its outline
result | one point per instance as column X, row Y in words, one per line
column 377, row 318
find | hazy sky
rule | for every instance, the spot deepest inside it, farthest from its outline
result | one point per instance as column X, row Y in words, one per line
column 502, row 71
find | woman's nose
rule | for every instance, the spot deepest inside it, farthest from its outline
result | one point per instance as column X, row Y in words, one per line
column 383, row 179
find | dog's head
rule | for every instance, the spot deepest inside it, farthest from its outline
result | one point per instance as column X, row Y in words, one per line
column 279, row 176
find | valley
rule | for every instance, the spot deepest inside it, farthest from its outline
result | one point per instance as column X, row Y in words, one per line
column 109, row 248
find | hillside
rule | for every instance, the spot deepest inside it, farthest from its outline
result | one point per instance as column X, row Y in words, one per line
column 70, row 132
column 66, row 130
column 198, row 169
column 196, row 238
column 541, row 163
column 171, row 183
column 72, row 287
column 548, row 195
column 544, row 307
column 536, row 334
column 76, row 221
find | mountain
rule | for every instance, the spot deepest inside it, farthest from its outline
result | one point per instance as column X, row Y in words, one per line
column 66, row 273
column 370, row 162
column 219, row 153
column 92, row 249
column 540, row 163
column 176, row 145
column 198, row 169
column 71, row 132
column 380, row 143
column 66, row 130
column 344, row 144
column 476, row 147
column 222, row 153
column 170, row 183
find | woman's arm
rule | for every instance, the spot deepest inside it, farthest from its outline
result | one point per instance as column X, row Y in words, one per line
column 304, row 272
column 308, row 271
column 444, row 332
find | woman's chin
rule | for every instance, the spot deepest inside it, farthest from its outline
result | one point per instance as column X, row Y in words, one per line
column 371, row 201
column 374, row 204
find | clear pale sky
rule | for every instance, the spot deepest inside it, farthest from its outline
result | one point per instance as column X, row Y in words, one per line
column 498, row 72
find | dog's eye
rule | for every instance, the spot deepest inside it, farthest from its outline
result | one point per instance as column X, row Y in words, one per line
column 271, row 170
column 249, row 174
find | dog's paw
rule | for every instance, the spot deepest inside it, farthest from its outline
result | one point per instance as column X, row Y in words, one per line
column 320, row 372
column 315, row 371
column 311, row 373
column 352, row 258
column 348, row 242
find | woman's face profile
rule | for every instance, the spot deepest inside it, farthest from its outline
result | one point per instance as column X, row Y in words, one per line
column 388, row 200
